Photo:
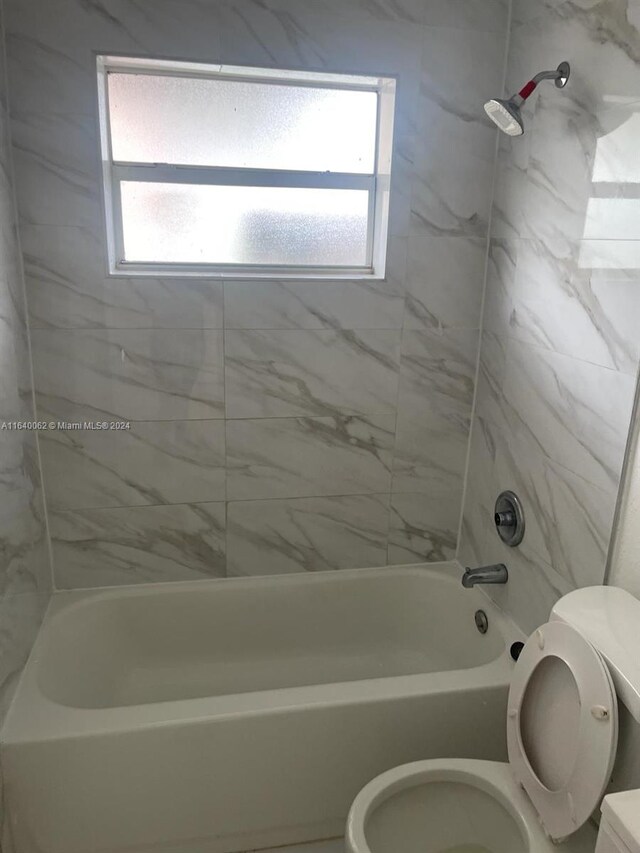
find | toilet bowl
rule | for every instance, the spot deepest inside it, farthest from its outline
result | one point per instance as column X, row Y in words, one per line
column 455, row 805
column 562, row 740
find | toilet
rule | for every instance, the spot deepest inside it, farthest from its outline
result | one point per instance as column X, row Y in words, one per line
column 576, row 679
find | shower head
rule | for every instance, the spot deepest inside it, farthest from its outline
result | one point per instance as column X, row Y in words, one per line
column 506, row 113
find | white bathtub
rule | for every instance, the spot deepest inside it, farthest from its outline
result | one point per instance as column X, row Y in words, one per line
column 239, row 714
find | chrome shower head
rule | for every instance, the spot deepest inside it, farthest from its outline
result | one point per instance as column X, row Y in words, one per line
column 506, row 113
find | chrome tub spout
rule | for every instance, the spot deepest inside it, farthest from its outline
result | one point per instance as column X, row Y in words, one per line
column 485, row 574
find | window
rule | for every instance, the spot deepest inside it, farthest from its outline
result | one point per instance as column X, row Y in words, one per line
column 247, row 172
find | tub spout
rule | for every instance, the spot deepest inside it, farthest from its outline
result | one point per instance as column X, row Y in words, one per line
column 485, row 574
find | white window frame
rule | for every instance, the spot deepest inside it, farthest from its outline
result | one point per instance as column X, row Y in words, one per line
column 377, row 183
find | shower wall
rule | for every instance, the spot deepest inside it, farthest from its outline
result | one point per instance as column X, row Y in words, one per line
column 25, row 572
column 560, row 346
column 275, row 426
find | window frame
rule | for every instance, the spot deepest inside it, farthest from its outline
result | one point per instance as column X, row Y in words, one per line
column 377, row 183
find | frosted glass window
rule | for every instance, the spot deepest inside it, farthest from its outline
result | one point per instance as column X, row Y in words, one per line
column 225, row 171
column 178, row 223
column 235, row 123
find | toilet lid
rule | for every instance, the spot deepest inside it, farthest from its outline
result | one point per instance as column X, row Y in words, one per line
column 562, row 726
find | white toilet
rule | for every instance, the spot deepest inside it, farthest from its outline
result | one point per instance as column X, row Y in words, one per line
column 562, row 739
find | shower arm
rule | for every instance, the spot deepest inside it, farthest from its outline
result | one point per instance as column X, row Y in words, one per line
column 559, row 74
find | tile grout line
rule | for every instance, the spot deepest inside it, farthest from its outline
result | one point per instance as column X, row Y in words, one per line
column 474, row 406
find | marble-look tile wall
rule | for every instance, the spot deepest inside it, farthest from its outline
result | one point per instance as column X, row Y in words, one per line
column 275, row 426
column 25, row 571
column 560, row 347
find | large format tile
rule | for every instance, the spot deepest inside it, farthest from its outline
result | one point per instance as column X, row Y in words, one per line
column 437, row 371
column 615, row 156
column 450, row 195
column 285, row 373
column 461, row 69
column 15, row 372
column 159, row 462
column 532, row 589
column 15, row 380
column 137, row 374
column 430, row 455
column 312, row 367
column 434, row 411
column 523, row 11
column 558, row 177
column 610, row 256
column 510, row 185
column 43, row 79
column 492, row 368
column 616, row 294
column 24, row 568
column 51, row 49
column 402, row 171
column 533, row 585
column 57, row 165
column 306, row 534
column 502, row 259
column 298, row 457
column 476, row 15
column 554, row 303
column 396, row 269
column 445, row 281
column 311, row 305
column 130, row 545
column 480, row 494
column 423, row 528
column 305, row 35
column 454, row 160
column 562, row 304
column 569, row 520
column 576, row 413
column 411, row 11
column 12, row 293
column 20, row 616
column 68, row 288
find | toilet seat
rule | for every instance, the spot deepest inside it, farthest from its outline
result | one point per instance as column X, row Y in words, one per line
column 562, row 726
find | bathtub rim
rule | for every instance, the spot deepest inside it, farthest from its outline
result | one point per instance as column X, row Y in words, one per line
column 33, row 717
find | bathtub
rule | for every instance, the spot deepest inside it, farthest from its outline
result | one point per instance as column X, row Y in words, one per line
column 232, row 715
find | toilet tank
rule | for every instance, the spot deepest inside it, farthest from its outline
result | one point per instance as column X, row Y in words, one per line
column 609, row 618
column 620, row 824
